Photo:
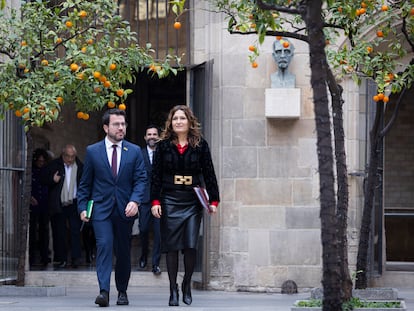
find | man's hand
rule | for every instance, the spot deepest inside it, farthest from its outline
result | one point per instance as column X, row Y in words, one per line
column 83, row 216
column 131, row 209
column 56, row 177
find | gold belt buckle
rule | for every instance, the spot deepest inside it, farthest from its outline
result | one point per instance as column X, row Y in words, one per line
column 183, row 180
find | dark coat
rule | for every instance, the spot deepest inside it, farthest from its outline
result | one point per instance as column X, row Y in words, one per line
column 195, row 162
column 148, row 166
column 55, row 189
column 98, row 183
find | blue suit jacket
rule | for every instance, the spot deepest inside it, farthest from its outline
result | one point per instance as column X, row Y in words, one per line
column 148, row 166
column 107, row 192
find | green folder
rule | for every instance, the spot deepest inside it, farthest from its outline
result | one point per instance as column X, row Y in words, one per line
column 89, row 209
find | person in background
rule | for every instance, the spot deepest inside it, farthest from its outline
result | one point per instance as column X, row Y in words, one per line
column 39, row 215
column 146, row 219
column 115, row 178
column 62, row 177
column 182, row 160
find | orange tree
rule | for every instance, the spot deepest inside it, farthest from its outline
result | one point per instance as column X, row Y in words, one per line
column 336, row 32
column 61, row 52
column 73, row 52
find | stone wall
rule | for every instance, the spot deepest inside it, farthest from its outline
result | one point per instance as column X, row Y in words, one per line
column 268, row 228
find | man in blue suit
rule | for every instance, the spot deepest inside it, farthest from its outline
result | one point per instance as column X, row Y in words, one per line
column 115, row 178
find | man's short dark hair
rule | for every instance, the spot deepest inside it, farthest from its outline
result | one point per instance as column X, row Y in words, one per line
column 114, row 111
column 152, row 126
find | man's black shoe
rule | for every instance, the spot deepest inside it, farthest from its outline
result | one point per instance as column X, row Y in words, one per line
column 156, row 270
column 60, row 265
column 122, row 299
column 143, row 262
column 75, row 263
column 102, row 299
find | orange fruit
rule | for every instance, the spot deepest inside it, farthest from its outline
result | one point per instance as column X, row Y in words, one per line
column 363, row 5
column 279, row 38
column 386, row 99
column 120, row 92
column 18, row 113
column 83, row 49
column 74, row 67
column 390, row 76
column 112, row 66
column 26, row 70
column 152, row 67
column 69, row 24
column 59, row 40
column 83, row 14
column 340, row 9
column 89, row 41
column 97, row 89
column 375, row 98
column 252, row 48
column 23, row 43
column 122, row 106
column 44, row 62
column 285, row 44
column 380, row 96
column 85, row 116
column 384, row 7
column 369, row 49
column 111, row 104
column 362, row 11
column 26, row 110
column 380, row 34
column 96, row 74
column 177, row 25
column 253, row 25
column 59, row 99
column 79, row 114
column 255, row 64
column 80, row 76
column 102, row 79
column 412, row 11
column 107, row 84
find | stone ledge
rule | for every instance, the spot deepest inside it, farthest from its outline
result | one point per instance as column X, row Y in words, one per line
column 402, row 308
column 371, row 293
column 35, row 291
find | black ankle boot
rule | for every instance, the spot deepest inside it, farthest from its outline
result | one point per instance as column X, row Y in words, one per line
column 173, row 295
column 186, row 288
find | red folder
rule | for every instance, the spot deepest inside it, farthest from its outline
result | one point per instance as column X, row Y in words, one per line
column 202, row 196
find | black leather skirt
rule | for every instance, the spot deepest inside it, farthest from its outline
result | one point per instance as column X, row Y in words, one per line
column 180, row 220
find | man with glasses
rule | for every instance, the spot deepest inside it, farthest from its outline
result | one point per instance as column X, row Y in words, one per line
column 62, row 177
column 115, row 180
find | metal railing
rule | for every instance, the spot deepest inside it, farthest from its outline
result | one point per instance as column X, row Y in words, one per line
column 12, row 168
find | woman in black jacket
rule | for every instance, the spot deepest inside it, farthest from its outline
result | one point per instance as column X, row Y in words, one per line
column 182, row 160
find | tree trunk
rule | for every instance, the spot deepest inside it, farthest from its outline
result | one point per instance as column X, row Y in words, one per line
column 362, row 257
column 342, row 181
column 24, row 213
column 329, row 233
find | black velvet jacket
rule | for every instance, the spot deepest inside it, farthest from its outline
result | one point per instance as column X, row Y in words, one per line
column 195, row 162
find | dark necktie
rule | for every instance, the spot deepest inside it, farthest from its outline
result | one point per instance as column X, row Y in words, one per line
column 114, row 161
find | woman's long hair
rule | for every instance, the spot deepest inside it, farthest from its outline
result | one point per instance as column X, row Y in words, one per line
column 194, row 133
